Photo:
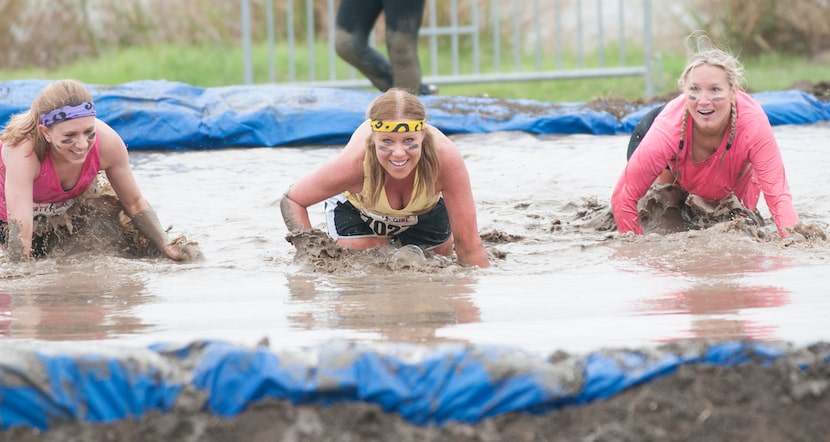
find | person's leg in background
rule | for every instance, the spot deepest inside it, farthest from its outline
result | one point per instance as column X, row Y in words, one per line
column 355, row 20
column 403, row 22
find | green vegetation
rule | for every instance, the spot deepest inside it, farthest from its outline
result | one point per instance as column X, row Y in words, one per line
column 198, row 42
column 773, row 71
column 207, row 66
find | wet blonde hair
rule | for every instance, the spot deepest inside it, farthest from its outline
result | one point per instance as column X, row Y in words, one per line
column 704, row 52
column 400, row 104
column 23, row 126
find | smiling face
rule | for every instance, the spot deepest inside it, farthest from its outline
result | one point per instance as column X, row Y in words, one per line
column 70, row 140
column 709, row 97
column 398, row 152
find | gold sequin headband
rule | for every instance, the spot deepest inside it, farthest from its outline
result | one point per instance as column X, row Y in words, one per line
column 398, row 126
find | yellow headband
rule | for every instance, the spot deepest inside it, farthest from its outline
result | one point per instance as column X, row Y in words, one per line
column 398, row 126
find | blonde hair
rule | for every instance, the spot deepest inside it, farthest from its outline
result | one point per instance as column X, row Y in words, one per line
column 400, row 104
column 704, row 52
column 23, row 126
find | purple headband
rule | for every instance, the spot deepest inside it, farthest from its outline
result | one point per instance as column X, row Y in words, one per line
column 61, row 114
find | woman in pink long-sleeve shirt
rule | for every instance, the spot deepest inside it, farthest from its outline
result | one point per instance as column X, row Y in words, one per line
column 712, row 140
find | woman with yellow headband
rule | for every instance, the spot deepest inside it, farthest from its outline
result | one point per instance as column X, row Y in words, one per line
column 51, row 154
column 398, row 181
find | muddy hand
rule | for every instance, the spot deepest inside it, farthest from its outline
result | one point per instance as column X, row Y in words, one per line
column 810, row 231
column 184, row 251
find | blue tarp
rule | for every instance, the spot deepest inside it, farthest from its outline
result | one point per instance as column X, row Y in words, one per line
column 163, row 115
column 52, row 384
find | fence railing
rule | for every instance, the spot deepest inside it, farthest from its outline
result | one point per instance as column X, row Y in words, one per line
column 521, row 40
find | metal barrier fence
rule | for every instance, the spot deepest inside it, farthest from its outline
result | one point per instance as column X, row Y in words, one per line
column 558, row 39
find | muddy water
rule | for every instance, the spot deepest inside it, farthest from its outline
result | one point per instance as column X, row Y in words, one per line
column 559, row 281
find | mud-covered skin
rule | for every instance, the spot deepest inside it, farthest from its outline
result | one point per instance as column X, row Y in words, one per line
column 147, row 222
column 14, row 246
column 288, row 216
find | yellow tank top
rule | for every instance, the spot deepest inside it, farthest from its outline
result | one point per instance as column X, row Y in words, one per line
column 419, row 202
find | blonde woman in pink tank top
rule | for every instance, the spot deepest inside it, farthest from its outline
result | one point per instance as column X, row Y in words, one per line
column 53, row 153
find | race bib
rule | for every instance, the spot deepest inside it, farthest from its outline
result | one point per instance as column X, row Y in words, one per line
column 48, row 209
column 388, row 225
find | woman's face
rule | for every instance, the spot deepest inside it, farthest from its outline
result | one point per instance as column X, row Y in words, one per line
column 398, row 152
column 709, row 97
column 71, row 140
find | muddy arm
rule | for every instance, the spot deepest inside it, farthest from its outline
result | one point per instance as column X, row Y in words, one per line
column 147, row 222
column 15, row 250
column 288, row 208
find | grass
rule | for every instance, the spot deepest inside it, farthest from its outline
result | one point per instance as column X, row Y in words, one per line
column 208, row 66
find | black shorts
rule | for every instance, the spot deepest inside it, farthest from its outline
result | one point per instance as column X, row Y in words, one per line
column 426, row 231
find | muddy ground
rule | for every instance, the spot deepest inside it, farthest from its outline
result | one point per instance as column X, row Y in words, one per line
column 785, row 400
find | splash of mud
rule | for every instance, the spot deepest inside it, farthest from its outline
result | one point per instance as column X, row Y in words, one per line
column 669, row 209
column 594, row 216
column 96, row 223
column 317, row 251
column 664, row 210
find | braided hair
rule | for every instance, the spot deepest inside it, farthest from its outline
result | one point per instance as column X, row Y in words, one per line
column 706, row 53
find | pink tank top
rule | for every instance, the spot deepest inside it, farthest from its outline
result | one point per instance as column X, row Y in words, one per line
column 47, row 190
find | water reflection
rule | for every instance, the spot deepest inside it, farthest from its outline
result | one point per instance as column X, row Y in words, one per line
column 563, row 285
column 716, row 307
column 707, row 254
column 71, row 305
column 408, row 308
column 716, row 274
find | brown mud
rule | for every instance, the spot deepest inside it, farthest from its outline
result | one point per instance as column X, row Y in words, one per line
column 784, row 400
column 97, row 223
column 788, row 400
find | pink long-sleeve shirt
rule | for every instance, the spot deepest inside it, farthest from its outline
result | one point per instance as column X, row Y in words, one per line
column 752, row 165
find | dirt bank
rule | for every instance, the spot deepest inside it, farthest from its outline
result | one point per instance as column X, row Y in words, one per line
column 786, row 400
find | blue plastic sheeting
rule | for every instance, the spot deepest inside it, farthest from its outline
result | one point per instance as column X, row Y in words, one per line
column 43, row 384
column 163, row 115
column 783, row 107
column 38, row 388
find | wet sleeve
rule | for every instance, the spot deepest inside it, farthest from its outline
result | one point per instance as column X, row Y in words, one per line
column 769, row 169
column 644, row 166
column 624, row 206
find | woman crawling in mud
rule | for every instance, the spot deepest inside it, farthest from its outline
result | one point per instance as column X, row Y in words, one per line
column 398, row 180
column 52, row 154
column 713, row 140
